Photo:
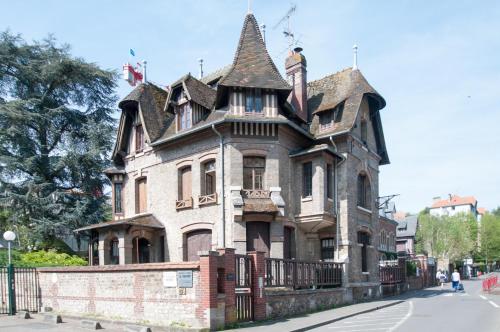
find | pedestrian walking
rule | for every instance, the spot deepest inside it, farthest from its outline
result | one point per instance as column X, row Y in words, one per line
column 440, row 276
column 455, row 280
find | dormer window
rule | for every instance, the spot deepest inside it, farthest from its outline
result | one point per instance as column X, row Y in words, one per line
column 139, row 138
column 253, row 101
column 184, row 116
column 327, row 119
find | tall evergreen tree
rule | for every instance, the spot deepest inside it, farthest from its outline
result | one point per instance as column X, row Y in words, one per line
column 55, row 135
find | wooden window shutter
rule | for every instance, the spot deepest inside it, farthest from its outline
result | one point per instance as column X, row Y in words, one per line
column 141, row 197
column 186, row 183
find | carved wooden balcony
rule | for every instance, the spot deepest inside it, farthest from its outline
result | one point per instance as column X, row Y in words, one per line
column 207, row 199
column 255, row 193
column 184, row 203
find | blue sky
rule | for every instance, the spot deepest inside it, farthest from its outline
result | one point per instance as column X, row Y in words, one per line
column 436, row 63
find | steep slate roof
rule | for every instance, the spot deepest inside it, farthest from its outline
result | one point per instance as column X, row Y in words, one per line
column 149, row 100
column 407, row 227
column 348, row 87
column 252, row 66
column 196, row 91
column 455, row 200
column 215, row 75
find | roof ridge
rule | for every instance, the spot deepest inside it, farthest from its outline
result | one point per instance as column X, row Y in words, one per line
column 330, row 75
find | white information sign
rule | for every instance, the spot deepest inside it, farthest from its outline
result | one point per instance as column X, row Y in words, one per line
column 170, row 279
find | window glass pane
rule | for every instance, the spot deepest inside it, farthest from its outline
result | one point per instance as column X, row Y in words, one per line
column 247, row 178
column 249, row 105
column 209, row 184
column 118, row 197
column 307, row 179
column 259, row 178
column 139, row 138
column 329, row 181
column 258, row 101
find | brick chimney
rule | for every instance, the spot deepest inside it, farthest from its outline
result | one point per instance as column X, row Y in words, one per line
column 296, row 74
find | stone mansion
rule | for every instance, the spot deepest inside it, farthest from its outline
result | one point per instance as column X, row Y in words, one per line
column 244, row 158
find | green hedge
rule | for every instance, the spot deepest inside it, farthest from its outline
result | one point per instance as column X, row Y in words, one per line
column 41, row 258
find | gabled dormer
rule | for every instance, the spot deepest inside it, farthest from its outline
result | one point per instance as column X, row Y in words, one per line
column 142, row 121
column 190, row 101
column 253, row 86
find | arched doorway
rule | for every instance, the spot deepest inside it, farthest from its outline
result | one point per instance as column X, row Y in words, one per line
column 258, row 238
column 199, row 240
column 140, row 250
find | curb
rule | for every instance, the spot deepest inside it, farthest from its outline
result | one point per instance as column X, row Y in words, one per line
column 307, row 328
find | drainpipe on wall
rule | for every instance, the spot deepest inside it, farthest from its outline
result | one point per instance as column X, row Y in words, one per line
column 335, row 200
column 222, row 226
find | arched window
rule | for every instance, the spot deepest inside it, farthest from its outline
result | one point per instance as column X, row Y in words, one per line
column 253, row 172
column 114, row 253
column 208, row 181
column 364, row 239
column 95, row 252
column 185, row 183
column 364, row 192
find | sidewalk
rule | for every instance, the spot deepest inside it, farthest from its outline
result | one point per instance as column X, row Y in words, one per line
column 309, row 321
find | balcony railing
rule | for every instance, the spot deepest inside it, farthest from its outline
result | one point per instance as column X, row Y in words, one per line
column 300, row 274
column 184, row 203
column 255, row 193
column 207, row 199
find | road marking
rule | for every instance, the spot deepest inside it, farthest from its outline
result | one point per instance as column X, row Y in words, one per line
column 483, row 297
column 448, row 294
column 357, row 325
column 405, row 318
column 494, row 304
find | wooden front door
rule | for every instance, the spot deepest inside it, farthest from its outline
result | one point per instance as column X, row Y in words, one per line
column 200, row 240
column 258, row 237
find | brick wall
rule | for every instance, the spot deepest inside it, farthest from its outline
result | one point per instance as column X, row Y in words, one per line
column 134, row 293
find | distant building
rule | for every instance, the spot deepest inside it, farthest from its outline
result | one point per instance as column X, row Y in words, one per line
column 453, row 205
column 405, row 235
column 387, row 243
column 480, row 213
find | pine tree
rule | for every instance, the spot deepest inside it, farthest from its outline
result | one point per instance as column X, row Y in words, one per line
column 55, row 136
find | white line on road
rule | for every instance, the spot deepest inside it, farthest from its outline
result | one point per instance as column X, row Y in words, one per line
column 494, row 304
column 357, row 325
column 483, row 297
column 405, row 318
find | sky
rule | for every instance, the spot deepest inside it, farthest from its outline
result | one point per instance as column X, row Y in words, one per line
column 437, row 64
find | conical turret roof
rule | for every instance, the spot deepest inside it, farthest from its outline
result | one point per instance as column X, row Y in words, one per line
column 252, row 66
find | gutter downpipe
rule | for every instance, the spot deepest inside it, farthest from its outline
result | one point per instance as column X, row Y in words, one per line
column 222, row 227
column 335, row 201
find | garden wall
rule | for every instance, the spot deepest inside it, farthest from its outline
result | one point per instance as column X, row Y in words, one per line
column 142, row 293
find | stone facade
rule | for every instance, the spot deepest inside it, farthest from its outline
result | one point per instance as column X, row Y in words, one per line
column 288, row 212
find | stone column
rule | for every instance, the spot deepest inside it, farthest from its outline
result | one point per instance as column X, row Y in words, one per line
column 207, row 310
column 229, row 283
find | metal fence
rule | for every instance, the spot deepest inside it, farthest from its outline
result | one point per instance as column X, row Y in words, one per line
column 301, row 274
column 25, row 290
column 392, row 274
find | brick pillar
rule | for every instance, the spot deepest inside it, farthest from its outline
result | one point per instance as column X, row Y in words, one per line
column 258, row 273
column 207, row 310
column 229, row 283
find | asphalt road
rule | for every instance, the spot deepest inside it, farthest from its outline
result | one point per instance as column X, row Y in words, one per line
column 432, row 310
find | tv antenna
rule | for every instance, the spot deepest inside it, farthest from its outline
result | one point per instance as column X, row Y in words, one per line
column 287, row 32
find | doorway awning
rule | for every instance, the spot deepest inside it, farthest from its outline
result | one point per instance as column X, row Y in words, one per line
column 142, row 220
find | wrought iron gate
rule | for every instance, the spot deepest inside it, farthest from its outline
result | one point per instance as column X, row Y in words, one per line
column 24, row 289
column 243, row 291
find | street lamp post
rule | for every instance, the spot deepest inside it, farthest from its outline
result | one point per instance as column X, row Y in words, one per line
column 10, row 236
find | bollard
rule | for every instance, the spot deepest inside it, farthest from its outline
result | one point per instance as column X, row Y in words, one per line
column 56, row 319
column 90, row 324
column 11, row 289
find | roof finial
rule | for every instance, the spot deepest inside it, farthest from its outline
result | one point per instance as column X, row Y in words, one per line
column 144, row 63
column 263, row 27
column 200, row 60
column 249, row 7
column 355, row 64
